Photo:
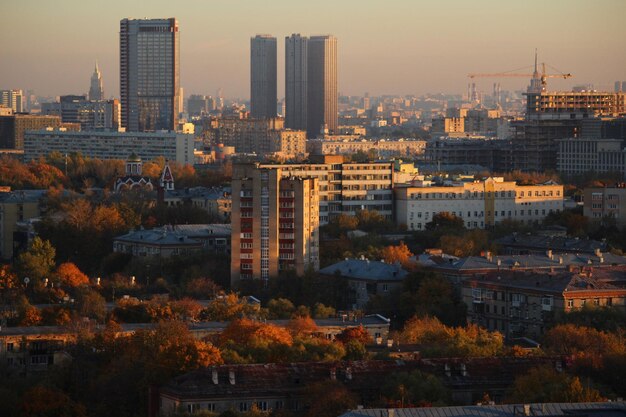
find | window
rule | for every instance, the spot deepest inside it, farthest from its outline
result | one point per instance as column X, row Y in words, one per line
column 243, row 406
column 546, row 303
column 570, row 303
column 9, row 347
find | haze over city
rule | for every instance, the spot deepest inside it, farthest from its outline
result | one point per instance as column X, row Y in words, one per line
column 391, row 47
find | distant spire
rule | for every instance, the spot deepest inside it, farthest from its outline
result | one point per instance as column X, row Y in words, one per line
column 535, row 59
column 96, row 90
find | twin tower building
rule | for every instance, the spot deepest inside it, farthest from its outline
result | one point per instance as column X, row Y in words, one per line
column 310, row 82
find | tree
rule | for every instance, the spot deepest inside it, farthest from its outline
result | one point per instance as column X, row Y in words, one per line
column 399, row 253
column 569, row 339
column 358, row 334
column 329, row 399
column 302, row 326
column 228, row 307
column 440, row 340
column 91, row 304
column 446, row 221
column 414, row 389
column 41, row 401
column 320, row 311
column 544, row 385
column 38, row 261
column 280, row 308
column 71, row 276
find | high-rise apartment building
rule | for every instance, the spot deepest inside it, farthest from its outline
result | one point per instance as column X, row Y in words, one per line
column 296, row 66
column 13, row 99
column 89, row 114
column 149, row 74
column 96, row 90
column 322, row 85
column 275, row 223
column 263, row 76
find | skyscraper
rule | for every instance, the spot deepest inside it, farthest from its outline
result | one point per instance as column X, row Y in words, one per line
column 322, row 85
column 263, row 76
column 96, row 91
column 296, row 81
column 149, row 74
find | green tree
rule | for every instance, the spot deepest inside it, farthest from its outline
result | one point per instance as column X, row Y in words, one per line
column 545, row 385
column 37, row 262
column 280, row 308
column 417, row 389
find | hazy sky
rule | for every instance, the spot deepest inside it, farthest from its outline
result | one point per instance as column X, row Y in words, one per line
column 385, row 46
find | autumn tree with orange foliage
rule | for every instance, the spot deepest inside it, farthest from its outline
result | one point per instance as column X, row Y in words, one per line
column 302, row 326
column 41, row 401
column 358, row 334
column 399, row 253
column 70, row 275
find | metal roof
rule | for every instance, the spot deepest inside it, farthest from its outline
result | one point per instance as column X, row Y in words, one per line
column 604, row 409
column 364, row 269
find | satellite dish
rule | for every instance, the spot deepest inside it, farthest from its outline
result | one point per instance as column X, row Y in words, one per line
column 26, row 280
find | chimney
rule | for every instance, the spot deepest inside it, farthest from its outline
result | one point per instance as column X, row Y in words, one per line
column 560, row 260
column 333, row 373
column 597, row 252
column 214, row 376
column 446, row 368
column 231, row 377
column 390, row 412
column 526, row 409
column 349, row 373
column 463, row 370
column 549, row 253
column 389, row 343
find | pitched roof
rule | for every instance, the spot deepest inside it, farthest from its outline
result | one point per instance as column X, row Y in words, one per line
column 599, row 409
column 364, row 269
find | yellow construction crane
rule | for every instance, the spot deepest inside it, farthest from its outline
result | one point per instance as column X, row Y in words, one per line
column 538, row 81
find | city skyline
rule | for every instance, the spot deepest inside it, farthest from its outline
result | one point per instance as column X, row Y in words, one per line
column 417, row 49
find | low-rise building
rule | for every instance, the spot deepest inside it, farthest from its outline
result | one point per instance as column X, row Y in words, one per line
column 384, row 148
column 161, row 243
column 457, row 270
column 480, row 203
column 524, row 244
column 366, row 278
column 111, row 145
column 215, row 201
column 524, row 303
column 17, row 206
column 605, row 203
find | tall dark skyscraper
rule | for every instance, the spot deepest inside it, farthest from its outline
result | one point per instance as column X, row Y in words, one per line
column 296, row 67
column 322, row 85
column 263, row 76
column 149, row 74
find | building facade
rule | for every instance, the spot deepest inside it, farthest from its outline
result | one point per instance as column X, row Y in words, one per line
column 275, row 223
column 296, row 81
column 346, row 188
column 111, row 145
column 17, row 206
column 383, row 148
column 258, row 136
column 149, row 74
column 606, row 203
column 89, row 114
column 263, row 76
column 578, row 156
column 480, row 203
column 13, row 99
column 13, row 127
column 523, row 305
column 322, row 110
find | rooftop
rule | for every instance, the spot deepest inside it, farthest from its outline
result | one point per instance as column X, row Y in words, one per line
column 599, row 409
column 365, row 269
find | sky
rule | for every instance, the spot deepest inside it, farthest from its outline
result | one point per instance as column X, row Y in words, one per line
column 384, row 46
